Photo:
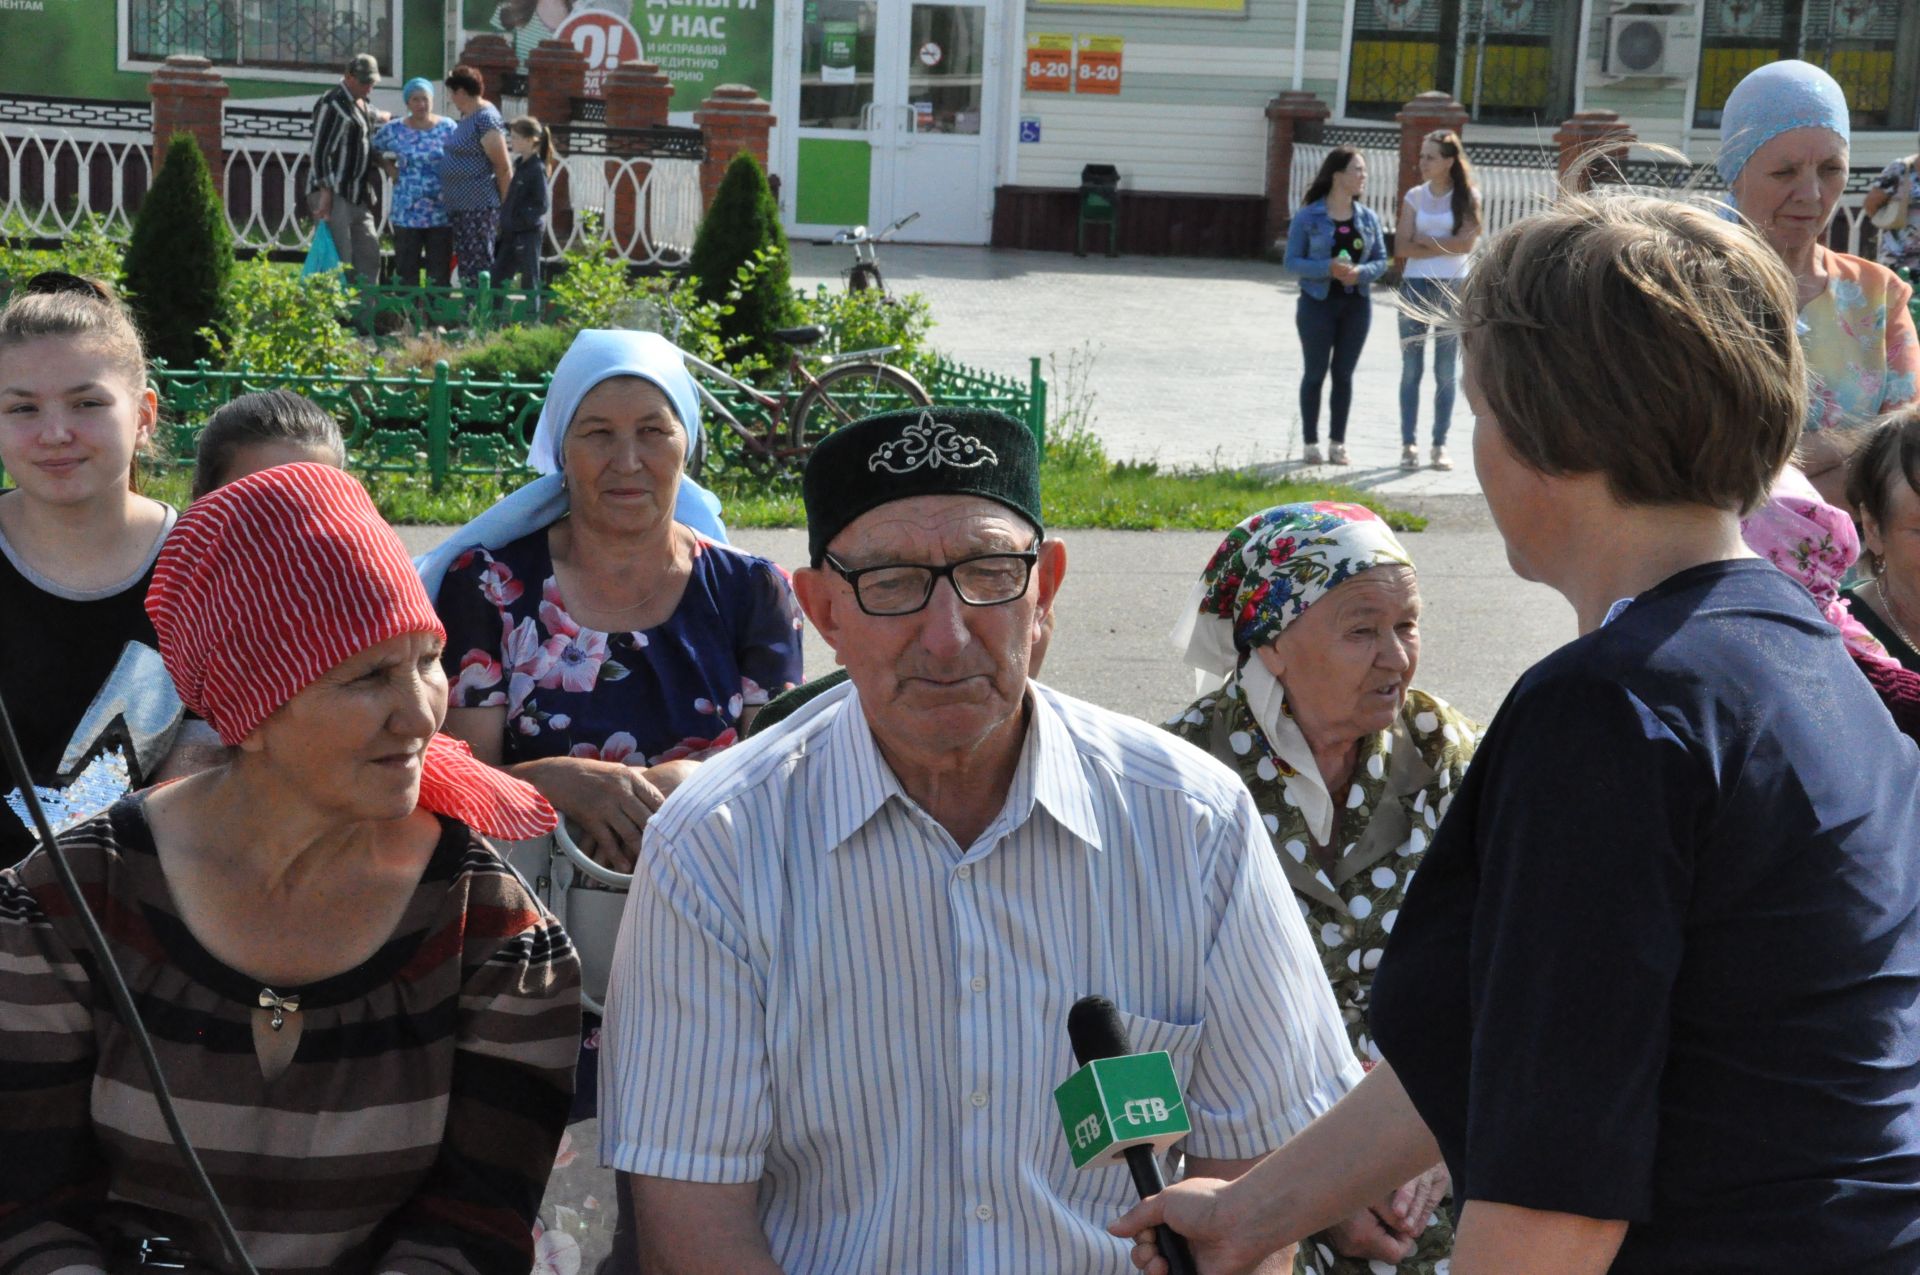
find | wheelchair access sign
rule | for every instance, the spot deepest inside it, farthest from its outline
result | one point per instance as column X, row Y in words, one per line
column 1112, row 1104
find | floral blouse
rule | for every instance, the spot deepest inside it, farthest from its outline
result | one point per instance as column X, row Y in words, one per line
column 1901, row 247
column 1858, row 337
column 648, row 696
column 1405, row 777
column 416, row 192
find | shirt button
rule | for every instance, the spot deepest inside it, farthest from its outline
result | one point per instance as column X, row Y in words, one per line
column 979, row 984
column 964, row 871
column 984, row 1212
column 979, row 1099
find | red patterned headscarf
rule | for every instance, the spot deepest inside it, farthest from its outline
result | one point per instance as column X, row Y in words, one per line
column 268, row 582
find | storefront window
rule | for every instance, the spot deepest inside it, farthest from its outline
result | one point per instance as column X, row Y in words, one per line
column 836, row 63
column 1506, row 61
column 295, row 35
column 946, row 67
column 1870, row 46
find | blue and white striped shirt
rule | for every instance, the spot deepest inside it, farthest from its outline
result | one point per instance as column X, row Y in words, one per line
column 815, row 988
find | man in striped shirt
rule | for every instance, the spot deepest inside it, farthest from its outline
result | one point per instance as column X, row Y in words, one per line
column 343, row 191
column 841, row 989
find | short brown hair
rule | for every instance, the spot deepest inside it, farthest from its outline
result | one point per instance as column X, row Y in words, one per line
column 468, row 79
column 1890, row 453
column 1643, row 339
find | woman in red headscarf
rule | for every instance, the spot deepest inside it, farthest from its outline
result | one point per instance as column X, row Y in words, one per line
column 367, row 1023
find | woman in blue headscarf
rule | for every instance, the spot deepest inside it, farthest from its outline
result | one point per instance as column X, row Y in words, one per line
column 1783, row 152
column 602, row 638
column 410, row 148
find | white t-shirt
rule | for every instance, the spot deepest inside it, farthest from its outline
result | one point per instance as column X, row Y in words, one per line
column 1433, row 217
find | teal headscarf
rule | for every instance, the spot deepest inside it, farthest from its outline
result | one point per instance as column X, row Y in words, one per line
column 1773, row 99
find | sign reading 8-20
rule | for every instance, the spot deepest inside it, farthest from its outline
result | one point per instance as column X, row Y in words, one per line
column 1049, row 63
column 1098, row 69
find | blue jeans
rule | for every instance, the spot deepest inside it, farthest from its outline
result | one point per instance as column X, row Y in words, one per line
column 1332, row 334
column 1426, row 296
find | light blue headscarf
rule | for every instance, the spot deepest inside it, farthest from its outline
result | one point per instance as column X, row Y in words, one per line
column 596, row 355
column 1773, row 99
column 420, row 83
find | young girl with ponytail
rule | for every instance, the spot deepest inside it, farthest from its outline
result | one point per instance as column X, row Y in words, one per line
column 523, row 218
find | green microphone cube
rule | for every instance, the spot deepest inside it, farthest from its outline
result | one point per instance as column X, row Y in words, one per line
column 1115, row 1103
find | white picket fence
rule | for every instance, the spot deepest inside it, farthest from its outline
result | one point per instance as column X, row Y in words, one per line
column 54, row 178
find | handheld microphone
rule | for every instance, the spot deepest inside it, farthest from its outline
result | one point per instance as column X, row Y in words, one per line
column 1122, row 1106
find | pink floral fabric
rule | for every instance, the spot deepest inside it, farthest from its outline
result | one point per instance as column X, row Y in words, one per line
column 1816, row 544
column 644, row 696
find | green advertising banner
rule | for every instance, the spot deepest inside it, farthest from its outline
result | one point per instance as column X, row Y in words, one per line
column 699, row 44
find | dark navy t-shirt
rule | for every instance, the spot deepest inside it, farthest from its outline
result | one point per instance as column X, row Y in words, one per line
column 1662, row 961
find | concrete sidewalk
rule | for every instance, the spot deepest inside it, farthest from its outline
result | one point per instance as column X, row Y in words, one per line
column 1195, row 362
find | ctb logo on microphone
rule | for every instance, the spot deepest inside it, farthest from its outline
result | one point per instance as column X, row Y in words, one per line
column 1115, row 1103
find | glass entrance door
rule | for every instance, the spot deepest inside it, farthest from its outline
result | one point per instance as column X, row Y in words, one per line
column 893, row 116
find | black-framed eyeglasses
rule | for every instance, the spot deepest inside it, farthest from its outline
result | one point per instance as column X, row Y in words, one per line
column 900, row 588
column 52, row 282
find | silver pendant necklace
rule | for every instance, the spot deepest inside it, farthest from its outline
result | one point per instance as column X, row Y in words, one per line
column 1886, row 605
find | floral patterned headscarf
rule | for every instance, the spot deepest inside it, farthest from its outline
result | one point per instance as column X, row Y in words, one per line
column 1815, row 543
column 1270, row 569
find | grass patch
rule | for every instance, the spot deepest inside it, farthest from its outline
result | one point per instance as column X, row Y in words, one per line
column 1122, row 497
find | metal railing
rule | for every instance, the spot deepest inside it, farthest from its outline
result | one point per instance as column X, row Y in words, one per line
column 54, row 178
column 444, row 424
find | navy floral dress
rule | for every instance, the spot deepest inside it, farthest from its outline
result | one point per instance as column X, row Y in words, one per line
column 649, row 696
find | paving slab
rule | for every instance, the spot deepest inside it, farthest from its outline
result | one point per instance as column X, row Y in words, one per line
column 1194, row 361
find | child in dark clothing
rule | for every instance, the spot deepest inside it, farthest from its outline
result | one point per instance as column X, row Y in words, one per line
column 523, row 217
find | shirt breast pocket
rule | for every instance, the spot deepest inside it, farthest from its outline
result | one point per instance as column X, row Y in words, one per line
column 1104, row 1185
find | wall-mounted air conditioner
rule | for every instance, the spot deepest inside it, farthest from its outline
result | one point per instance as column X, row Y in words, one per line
column 1666, row 44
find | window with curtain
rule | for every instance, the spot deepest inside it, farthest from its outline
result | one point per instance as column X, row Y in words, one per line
column 291, row 35
column 1872, row 47
column 1506, row 61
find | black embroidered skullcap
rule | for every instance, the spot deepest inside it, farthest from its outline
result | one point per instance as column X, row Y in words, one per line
column 920, row 451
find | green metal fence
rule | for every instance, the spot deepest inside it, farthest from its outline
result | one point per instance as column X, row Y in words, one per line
column 442, row 424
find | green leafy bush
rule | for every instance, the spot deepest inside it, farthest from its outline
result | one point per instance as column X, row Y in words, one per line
column 864, row 320
column 90, row 251
column 515, row 353
column 179, row 262
column 592, row 290
column 278, row 320
column 743, row 227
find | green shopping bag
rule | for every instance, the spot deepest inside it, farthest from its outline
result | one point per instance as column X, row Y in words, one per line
column 322, row 256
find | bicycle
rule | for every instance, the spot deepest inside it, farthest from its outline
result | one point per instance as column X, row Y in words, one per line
column 807, row 407
column 864, row 274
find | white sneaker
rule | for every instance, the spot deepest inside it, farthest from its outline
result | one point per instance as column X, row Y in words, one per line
column 1337, row 454
column 1409, row 457
column 1440, row 458
column 1312, row 455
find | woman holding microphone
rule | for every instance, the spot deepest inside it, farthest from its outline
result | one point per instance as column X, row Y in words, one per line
column 1653, row 994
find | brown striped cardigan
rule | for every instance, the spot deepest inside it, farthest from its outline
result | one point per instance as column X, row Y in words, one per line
column 413, row 1131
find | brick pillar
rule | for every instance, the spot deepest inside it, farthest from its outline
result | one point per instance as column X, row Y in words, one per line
column 638, row 95
column 190, row 97
column 556, row 74
column 1428, row 111
column 734, row 119
column 493, row 57
column 1294, row 116
column 1595, row 133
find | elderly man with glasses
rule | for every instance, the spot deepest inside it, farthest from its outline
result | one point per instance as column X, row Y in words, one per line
column 840, row 997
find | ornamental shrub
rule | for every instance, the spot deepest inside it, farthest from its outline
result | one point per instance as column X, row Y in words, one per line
column 89, row 250
column 278, row 321
column 743, row 226
column 179, row 261
column 515, row 353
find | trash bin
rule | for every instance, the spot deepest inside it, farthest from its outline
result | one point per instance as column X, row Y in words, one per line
column 1099, row 206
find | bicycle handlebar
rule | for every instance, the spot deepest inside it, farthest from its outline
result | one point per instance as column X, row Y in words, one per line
column 858, row 236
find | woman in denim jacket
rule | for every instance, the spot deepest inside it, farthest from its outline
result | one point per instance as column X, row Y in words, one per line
column 1336, row 247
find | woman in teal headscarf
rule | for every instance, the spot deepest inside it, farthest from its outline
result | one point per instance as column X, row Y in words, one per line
column 410, row 147
column 1307, row 620
column 1783, row 152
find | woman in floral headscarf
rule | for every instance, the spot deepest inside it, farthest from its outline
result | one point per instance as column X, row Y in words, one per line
column 1307, row 621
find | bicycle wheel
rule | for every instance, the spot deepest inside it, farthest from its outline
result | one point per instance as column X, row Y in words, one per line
column 847, row 394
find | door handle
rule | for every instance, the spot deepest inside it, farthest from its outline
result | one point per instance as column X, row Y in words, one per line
column 913, row 123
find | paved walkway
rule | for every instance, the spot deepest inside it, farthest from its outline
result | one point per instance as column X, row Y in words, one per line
column 1194, row 362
